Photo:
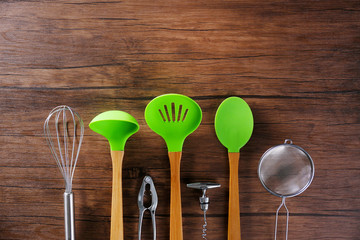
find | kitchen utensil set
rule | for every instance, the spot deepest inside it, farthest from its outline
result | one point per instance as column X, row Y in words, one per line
column 174, row 117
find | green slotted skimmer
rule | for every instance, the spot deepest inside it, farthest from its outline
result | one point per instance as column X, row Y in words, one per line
column 174, row 117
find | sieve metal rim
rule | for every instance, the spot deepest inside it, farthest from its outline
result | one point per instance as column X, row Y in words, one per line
column 288, row 143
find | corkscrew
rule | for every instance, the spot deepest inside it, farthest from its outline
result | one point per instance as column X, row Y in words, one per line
column 204, row 200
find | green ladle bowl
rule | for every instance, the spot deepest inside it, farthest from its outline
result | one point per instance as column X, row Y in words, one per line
column 116, row 126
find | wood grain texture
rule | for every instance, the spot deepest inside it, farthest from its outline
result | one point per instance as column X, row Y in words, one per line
column 176, row 228
column 117, row 223
column 296, row 63
column 234, row 227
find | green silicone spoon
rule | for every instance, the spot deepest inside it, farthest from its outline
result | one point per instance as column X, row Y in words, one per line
column 234, row 124
column 174, row 117
column 117, row 127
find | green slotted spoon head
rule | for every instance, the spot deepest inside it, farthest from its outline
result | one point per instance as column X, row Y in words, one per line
column 234, row 123
column 116, row 126
column 173, row 117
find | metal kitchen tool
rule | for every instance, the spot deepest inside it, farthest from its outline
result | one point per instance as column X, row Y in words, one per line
column 174, row 117
column 64, row 131
column 234, row 124
column 204, row 200
column 116, row 127
column 286, row 170
column 152, row 208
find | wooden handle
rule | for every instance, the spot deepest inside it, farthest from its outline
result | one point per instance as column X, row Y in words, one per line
column 175, row 197
column 234, row 232
column 116, row 230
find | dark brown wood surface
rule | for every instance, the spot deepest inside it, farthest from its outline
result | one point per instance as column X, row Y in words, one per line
column 296, row 63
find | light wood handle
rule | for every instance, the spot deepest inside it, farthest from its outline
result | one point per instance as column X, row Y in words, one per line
column 117, row 229
column 234, row 232
column 175, row 197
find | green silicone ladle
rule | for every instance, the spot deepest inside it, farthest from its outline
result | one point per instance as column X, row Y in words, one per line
column 116, row 127
column 234, row 125
column 174, row 117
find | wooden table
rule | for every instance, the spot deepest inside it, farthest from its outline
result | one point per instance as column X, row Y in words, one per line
column 296, row 63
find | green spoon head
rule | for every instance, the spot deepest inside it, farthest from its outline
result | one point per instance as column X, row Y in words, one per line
column 234, row 123
column 115, row 126
column 173, row 117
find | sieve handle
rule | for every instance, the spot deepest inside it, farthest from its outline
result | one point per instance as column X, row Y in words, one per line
column 287, row 218
column 69, row 216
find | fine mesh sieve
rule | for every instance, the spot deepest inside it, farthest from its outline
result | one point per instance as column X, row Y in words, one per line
column 286, row 170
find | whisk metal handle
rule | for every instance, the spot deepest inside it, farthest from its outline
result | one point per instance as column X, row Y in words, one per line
column 69, row 216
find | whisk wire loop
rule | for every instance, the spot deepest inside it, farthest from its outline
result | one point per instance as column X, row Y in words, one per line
column 50, row 142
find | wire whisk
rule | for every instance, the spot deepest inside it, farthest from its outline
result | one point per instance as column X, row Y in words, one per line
column 61, row 133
